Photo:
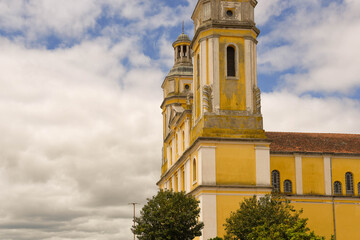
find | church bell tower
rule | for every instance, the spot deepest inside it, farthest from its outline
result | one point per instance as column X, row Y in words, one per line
column 225, row 79
column 215, row 146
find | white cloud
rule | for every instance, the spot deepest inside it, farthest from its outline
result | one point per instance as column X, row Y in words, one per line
column 67, row 20
column 267, row 9
column 43, row 17
column 76, row 137
column 81, row 125
column 319, row 43
column 284, row 111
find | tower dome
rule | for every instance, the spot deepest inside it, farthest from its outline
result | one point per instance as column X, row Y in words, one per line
column 182, row 38
column 182, row 56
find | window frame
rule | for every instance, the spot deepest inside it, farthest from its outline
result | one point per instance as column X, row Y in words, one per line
column 339, row 192
column 349, row 183
column 236, row 61
column 287, row 185
column 277, row 178
column 194, row 171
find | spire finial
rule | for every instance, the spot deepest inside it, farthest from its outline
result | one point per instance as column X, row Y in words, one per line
column 183, row 27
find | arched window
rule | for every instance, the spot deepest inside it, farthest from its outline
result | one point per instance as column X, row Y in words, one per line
column 349, row 183
column 198, row 71
column 287, row 186
column 337, row 187
column 194, row 170
column 230, row 61
column 275, row 180
column 359, row 188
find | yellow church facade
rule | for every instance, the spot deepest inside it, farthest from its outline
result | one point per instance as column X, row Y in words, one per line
column 215, row 147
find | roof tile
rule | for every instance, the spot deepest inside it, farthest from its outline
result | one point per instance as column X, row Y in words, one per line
column 332, row 143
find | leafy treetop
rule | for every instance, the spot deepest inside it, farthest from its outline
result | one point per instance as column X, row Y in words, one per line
column 169, row 215
column 267, row 218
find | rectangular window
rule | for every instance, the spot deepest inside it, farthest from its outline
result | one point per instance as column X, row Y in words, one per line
column 230, row 57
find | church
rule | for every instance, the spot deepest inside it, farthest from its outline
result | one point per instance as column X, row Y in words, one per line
column 214, row 144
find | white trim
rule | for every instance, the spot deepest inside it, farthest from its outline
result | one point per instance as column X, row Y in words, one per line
column 173, row 182
column 327, row 175
column 196, row 77
column 179, row 180
column 187, row 133
column 236, row 61
column 182, row 141
column 235, row 194
column 298, row 174
column 262, row 155
column 216, row 84
column 255, row 63
column 199, row 167
column 208, row 215
column 168, row 156
column 196, row 171
column 203, row 73
column 177, row 144
column 249, row 75
column 187, row 170
column 336, row 203
column 207, row 165
column 211, row 60
column 173, row 151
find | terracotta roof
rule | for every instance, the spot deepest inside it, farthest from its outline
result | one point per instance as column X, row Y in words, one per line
column 332, row 143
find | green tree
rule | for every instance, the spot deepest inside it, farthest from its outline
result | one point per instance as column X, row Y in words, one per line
column 169, row 215
column 267, row 218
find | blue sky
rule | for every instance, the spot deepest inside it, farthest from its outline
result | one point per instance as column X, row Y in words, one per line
column 80, row 95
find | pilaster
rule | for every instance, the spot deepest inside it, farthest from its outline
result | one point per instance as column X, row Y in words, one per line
column 298, row 175
column 208, row 215
column 262, row 154
column 327, row 175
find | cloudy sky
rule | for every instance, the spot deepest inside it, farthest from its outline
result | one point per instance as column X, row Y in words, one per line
column 80, row 93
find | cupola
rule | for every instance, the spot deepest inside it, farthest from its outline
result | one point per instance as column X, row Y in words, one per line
column 182, row 56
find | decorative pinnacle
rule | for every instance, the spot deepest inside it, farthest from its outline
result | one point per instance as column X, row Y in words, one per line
column 183, row 27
